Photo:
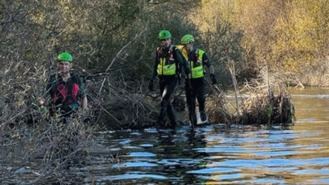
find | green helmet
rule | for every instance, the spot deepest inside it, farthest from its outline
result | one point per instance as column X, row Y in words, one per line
column 65, row 57
column 188, row 38
column 164, row 34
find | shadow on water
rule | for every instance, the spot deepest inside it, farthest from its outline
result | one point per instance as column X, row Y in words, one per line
column 161, row 157
column 210, row 155
column 298, row 154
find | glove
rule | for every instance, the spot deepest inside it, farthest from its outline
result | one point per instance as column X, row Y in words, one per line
column 151, row 85
column 213, row 79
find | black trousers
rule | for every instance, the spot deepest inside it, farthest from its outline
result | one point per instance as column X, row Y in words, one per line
column 195, row 91
column 167, row 89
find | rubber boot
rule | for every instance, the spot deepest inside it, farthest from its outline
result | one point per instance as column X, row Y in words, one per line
column 203, row 116
column 161, row 118
column 193, row 119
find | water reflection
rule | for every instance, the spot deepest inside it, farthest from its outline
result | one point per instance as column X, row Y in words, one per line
column 298, row 154
column 211, row 155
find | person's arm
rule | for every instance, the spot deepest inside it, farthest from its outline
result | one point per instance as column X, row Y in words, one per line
column 182, row 62
column 206, row 62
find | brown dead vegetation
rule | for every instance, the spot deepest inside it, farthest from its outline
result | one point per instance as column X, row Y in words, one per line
column 260, row 105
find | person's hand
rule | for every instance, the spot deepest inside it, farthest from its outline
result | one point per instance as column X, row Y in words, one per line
column 150, row 86
column 213, row 79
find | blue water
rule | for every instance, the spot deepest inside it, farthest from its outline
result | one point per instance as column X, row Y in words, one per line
column 298, row 154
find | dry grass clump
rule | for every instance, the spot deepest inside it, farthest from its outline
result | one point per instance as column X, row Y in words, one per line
column 262, row 106
column 217, row 110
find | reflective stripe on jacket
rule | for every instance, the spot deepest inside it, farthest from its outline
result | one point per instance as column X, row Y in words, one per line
column 167, row 64
column 197, row 69
column 195, row 61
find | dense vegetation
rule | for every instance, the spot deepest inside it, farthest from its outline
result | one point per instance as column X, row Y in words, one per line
column 113, row 44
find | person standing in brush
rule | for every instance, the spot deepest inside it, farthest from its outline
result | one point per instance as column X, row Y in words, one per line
column 195, row 85
column 66, row 89
column 167, row 67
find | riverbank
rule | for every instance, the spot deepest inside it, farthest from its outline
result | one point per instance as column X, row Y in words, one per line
column 309, row 78
column 261, row 104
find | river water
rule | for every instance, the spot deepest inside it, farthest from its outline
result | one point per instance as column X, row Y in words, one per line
column 297, row 154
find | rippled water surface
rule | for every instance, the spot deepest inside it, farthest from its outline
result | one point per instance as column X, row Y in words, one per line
column 298, row 154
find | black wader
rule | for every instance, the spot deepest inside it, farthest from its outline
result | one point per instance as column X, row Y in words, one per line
column 167, row 88
column 197, row 91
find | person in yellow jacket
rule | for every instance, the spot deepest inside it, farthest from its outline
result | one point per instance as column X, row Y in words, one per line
column 195, row 85
column 168, row 65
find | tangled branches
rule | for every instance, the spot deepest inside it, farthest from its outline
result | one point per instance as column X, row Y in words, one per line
column 259, row 105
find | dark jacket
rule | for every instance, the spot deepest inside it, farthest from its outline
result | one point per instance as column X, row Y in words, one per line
column 170, row 52
column 65, row 96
